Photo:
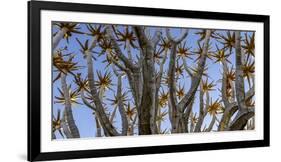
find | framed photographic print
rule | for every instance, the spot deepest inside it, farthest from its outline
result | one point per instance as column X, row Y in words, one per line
column 114, row 80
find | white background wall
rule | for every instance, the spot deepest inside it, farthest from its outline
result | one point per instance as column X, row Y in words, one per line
column 13, row 79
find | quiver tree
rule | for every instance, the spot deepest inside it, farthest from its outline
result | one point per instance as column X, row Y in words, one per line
column 64, row 68
column 146, row 73
column 235, row 98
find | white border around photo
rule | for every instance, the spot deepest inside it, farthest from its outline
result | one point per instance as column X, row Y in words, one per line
column 48, row 145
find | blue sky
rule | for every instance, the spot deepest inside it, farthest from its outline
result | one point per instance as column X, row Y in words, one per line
column 84, row 116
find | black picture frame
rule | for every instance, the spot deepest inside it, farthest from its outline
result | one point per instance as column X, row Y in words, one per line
column 34, row 83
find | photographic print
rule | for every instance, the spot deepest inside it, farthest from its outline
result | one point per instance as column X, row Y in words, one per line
column 131, row 80
column 116, row 80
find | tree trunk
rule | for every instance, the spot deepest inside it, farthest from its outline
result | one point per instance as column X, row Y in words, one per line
column 103, row 119
column 68, row 111
column 241, row 120
column 158, row 85
column 181, row 107
column 211, row 124
column 172, row 88
column 98, row 133
column 148, row 99
column 244, row 112
column 57, row 38
column 202, row 113
column 230, row 106
column 195, row 81
column 239, row 82
column 53, row 136
column 121, row 109
column 147, row 123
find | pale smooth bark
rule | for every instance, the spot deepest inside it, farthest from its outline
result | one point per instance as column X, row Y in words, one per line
column 230, row 106
column 68, row 111
column 175, row 111
column 132, row 70
column 57, row 38
column 102, row 119
column 158, row 85
column 121, row 108
column 239, row 83
column 195, row 80
column 244, row 112
column 65, row 127
column 212, row 123
column 178, row 108
column 187, row 113
column 202, row 111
